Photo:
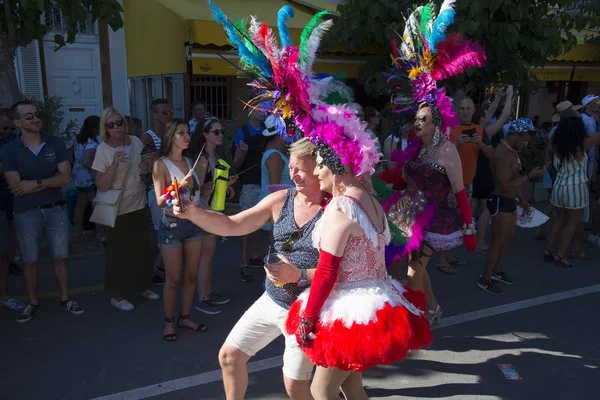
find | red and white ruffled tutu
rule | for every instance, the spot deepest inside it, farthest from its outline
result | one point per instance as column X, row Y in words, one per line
column 364, row 324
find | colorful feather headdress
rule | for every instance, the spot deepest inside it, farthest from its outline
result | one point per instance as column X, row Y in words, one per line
column 427, row 54
column 286, row 86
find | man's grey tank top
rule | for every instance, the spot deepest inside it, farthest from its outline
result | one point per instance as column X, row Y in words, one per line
column 303, row 255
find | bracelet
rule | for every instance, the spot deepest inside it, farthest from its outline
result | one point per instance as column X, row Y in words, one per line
column 469, row 229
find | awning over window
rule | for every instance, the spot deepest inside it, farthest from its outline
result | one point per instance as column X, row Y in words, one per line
column 211, row 63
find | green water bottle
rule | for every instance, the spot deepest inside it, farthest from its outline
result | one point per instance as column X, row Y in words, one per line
column 220, row 185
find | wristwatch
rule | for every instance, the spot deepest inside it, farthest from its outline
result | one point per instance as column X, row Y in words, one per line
column 39, row 182
column 303, row 282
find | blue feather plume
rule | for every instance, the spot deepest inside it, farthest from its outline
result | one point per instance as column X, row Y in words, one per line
column 285, row 13
column 441, row 24
column 246, row 56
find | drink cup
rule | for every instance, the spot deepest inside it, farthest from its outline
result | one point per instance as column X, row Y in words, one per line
column 274, row 261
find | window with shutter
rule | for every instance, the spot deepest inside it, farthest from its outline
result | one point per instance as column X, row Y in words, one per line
column 29, row 72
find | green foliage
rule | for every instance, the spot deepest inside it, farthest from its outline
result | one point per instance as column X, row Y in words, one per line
column 517, row 34
column 23, row 23
column 53, row 121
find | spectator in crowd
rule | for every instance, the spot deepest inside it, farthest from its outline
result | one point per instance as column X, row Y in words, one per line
column 210, row 138
column 128, row 260
column 8, row 134
column 590, row 115
column 373, row 119
column 134, row 126
column 483, row 182
column 249, row 144
column 161, row 112
column 570, row 192
column 198, row 116
column 275, row 164
column 36, row 166
column 84, row 178
column 179, row 240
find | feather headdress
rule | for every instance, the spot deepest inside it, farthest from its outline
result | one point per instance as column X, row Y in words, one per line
column 426, row 55
column 286, row 86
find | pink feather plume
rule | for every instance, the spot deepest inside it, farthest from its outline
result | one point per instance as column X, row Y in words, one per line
column 454, row 56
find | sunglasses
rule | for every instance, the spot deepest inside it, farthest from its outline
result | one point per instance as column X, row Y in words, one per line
column 111, row 125
column 30, row 116
column 289, row 244
column 167, row 112
column 217, row 132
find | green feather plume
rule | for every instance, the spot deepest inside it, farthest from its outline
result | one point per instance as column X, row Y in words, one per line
column 426, row 16
column 308, row 30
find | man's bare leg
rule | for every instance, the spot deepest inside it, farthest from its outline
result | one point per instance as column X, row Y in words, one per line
column 31, row 277
column 234, row 365
column 297, row 390
column 60, row 273
column 501, row 228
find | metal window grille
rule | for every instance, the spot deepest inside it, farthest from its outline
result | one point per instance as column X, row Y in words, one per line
column 216, row 91
column 56, row 23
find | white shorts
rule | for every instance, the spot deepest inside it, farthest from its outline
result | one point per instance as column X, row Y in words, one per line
column 155, row 210
column 262, row 323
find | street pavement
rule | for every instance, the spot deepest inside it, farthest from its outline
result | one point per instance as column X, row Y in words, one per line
column 542, row 326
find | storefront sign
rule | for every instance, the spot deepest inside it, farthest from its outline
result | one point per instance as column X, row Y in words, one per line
column 545, row 74
column 586, row 75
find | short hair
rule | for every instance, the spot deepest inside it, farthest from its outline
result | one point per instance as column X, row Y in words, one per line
column 136, row 121
column 14, row 109
column 155, row 103
column 303, row 147
column 106, row 114
column 465, row 98
column 194, row 104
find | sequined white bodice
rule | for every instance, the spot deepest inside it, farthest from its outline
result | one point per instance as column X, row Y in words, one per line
column 364, row 256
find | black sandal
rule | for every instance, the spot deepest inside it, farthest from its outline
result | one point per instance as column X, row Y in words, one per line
column 548, row 255
column 200, row 328
column 170, row 337
column 563, row 262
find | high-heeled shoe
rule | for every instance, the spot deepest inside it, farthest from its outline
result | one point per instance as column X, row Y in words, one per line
column 434, row 316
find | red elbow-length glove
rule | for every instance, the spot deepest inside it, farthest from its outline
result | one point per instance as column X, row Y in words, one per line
column 322, row 284
column 469, row 238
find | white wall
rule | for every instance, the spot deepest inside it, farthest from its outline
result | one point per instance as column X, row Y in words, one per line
column 540, row 103
column 118, row 69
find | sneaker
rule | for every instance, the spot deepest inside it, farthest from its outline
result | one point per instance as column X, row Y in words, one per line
column 256, row 262
column 14, row 269
column 149, row 295
column 72, row 306
column 158, row 280
column 123, row 305
column 12, row 304
column 29, row 312
column 489, row 287
column 207, row 307
column 245, row 275
column 217, row 299
column 593, row 239
column 502, row 277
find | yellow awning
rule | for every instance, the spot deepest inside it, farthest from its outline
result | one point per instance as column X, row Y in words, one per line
column 206, row 63
column 582, row 53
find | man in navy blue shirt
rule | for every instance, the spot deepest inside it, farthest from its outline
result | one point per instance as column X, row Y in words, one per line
column 36, row 166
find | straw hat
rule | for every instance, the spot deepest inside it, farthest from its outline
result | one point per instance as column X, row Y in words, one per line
column 562, row 107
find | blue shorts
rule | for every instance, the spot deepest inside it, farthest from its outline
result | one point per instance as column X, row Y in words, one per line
column 249, row 197
column 53, row 221
column 174, row 232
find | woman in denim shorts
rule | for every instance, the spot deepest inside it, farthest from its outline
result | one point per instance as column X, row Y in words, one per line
column 179, row 240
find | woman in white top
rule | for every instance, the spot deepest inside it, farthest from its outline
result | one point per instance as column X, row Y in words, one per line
column 180, row 241
column 84, row 176
column 128, row 262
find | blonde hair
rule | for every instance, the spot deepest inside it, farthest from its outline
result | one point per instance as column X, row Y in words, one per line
column 303, row 147
column 106, row 114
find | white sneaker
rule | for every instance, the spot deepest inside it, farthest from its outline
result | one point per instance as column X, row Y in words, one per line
column 150, row 295
column 593, row 239
column 123, row 305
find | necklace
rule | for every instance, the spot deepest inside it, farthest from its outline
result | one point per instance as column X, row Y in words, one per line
column 427, row 152
column 513, row 151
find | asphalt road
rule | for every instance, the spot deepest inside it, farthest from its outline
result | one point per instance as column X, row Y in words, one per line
column 543, row 326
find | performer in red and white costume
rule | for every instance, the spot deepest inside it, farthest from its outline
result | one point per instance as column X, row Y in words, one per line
column 354, row 316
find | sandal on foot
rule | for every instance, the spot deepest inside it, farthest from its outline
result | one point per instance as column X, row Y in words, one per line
column 170, row 337
column 547, row 255
column 580, row 256
column 563, row 262
column 446, row 269
column 200, row 328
